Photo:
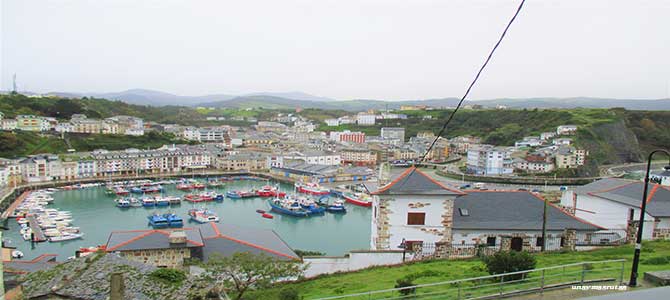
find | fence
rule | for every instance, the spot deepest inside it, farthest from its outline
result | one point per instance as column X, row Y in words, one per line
column 570, row 240
column 502, row 285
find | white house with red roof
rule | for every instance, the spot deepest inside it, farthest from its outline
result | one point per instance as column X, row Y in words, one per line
column 415, row 208
column 613, row 202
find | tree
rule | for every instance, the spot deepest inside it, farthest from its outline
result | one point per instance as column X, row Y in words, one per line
column 243, row 271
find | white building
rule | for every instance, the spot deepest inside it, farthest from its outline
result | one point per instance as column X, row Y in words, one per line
column 332, row 122
column 64, row 127
column 393, row 135
column 365, row 119
column 315, row 157
column 529, row 141
column 489, row 160
column 547, row 135
column 8, row 124
column 566, row 129
column 416, row 209
column 613, row 202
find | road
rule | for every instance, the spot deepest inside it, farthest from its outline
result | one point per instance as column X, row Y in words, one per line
column 491, row 186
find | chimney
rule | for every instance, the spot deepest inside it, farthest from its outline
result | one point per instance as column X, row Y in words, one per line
column 177, row 237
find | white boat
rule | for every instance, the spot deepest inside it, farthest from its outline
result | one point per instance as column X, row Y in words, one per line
column 66, row 237
column 203, row 215
column 17, row 254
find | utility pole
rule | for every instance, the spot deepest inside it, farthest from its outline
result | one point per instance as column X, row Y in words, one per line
column 544, row 227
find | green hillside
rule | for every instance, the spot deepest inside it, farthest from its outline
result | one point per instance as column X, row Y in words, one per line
column 22, row 143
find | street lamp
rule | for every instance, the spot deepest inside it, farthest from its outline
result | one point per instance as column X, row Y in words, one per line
column 638, row 240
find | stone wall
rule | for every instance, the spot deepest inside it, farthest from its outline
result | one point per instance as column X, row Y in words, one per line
column 447, row 220
column 569, row 239
column 170, row 258
column 662, row 233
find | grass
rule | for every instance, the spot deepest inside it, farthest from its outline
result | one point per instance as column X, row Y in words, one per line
column 654, row 257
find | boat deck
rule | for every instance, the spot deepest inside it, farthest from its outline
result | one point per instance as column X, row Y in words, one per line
column 38, row 234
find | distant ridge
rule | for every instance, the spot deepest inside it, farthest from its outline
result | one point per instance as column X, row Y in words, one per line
column 292, row 100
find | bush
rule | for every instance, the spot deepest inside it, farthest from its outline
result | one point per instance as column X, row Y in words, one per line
column 168, row 275
column 659, row 260
column 289, row 294
column 509, row 261
column 405, row 283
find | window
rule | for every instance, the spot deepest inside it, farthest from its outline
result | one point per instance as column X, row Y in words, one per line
column 416, row 218
column 539, row 241
column 464, row 212
column 491, row 241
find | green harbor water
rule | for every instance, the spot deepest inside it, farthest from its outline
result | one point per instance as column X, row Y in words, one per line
column 96, row 215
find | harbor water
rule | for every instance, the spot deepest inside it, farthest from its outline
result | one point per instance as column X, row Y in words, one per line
column 96, row 214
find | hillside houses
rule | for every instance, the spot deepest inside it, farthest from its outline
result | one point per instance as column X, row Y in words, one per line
column 78, row 123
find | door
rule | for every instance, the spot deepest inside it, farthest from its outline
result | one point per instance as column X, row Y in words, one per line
column 517, row 244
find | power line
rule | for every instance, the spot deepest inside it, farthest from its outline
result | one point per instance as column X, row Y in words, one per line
column 451, row 116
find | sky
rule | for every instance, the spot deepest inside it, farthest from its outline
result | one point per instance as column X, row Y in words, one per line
column 344, row 49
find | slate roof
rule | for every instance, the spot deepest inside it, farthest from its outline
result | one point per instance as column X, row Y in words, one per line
column 602, row 184
column 150, row 239
column 415, row 182
column 42, row 262
column 658, row 197
column 511, row 211
column 226, row 239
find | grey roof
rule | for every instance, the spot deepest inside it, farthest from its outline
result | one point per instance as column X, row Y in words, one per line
column 415, row 182
column 227, row 239
column 511, row 211
column 150, row 239
column 601, row 185
column 42, row 262
column 658, row 197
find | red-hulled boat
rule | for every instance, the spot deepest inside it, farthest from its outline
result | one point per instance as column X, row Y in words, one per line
column 311, row 188
column 269, row 191
column 359, row 199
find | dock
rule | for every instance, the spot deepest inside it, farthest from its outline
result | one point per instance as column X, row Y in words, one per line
column 38, row 234
column 12, row 207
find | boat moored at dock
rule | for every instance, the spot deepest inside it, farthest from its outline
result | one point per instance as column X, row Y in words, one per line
column 311, row 188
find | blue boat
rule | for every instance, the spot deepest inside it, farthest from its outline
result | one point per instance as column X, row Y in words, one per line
column 148, row 202
column 313, row 208
column 218, row 197
column 288, row 208
column 136, row 190
column 337, row 207
column 123, row 203
column 174, row 220
column 158, row 221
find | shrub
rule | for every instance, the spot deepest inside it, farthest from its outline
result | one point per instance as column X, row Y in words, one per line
column 407, row 284
column 168, row 275
column 659, row 260
column 289, row 294
column 509, row 261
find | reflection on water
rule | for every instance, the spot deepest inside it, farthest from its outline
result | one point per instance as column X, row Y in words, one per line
column 94, row 212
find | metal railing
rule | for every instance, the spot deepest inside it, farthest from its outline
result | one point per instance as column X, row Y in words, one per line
column 503, row 285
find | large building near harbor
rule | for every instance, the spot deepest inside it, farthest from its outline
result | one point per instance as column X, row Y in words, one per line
column 165, row 159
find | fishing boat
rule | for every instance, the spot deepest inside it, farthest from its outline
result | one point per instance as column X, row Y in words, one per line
column 135, row 203
column 174, row 220
column 121, row 191
column 122, row 203
column 66, row 237
column 158, row 221
column 198, row 186
column 336, row 207
column 162, row 201
column 148, row 202
column 184, row 187
column 214, row 183
column 152, row 189
column 310, row 206
column 360, row 199
column 136, row 190
column 270, row 191
column 174, row 200
column 287, row 207
column 202, row 197
column 203, row 215
column 240, row 194
column 311, row 188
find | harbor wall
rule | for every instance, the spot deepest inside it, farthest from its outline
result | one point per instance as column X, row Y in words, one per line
column 355, row 260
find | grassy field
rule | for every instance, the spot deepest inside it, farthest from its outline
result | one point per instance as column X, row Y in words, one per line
column 655, row 256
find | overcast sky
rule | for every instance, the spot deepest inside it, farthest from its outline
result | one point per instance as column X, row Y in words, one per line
column 343, row 49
